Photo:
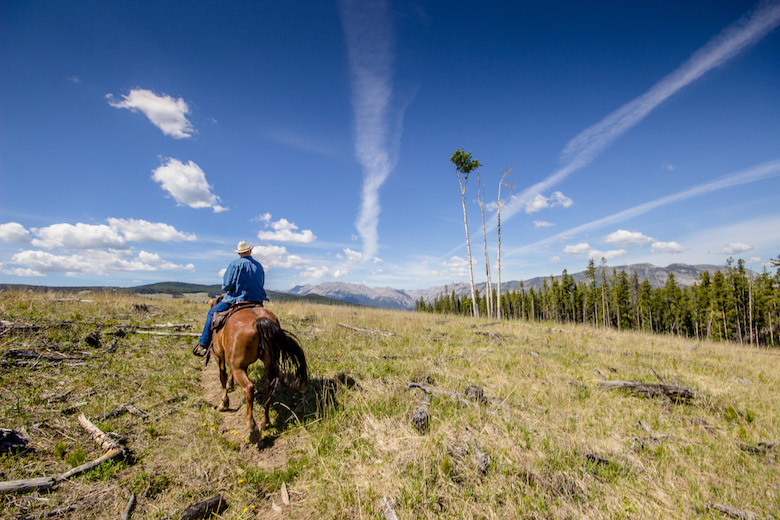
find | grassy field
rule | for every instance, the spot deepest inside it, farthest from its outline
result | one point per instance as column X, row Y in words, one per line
column 545, row 440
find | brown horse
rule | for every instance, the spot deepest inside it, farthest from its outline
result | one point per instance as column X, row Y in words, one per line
column 250, row 334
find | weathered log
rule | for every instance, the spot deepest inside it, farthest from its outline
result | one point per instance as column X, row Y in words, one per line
column 672, row 392
column 205, row 508
column 27, row 485
column 386, row 505
column 78, row 470
column 130, row 507
column 53, row 512
column 366, row 331
column 26, row 354
column 733, row 512
column 492, row 335
column 174, row 334
column 125, row 408
column 103, row 440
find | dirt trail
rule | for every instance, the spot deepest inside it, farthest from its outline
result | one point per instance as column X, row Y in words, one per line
column 269, row 454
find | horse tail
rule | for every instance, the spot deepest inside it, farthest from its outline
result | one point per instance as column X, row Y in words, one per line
column 284, row 349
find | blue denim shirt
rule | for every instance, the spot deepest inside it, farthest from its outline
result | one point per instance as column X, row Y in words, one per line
column 244, row 280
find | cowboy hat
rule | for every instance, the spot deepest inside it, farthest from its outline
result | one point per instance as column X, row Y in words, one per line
column 243, row 247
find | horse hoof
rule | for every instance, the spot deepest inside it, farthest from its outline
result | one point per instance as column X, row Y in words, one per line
column 255, row 436
column 222, row 407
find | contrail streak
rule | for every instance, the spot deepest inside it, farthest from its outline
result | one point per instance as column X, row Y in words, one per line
column 756, row 173
column 370, row 39
column 581, row 150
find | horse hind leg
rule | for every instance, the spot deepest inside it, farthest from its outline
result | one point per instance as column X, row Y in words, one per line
column 242, row 379
column 223, row 379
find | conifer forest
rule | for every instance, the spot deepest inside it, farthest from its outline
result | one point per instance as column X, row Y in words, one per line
column 732, row 304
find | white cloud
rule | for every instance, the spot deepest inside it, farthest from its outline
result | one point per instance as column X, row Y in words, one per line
column 542, row 224
column 325, row 272
column 164, row 112
column 143, row 231
column 668, row 167
column 14, row 232
column 187, row 184
column 353, row 257
column 20, row 271
column 589, row 143
column 278, row 256
column 78, row 236
column 539, row 202
column 93, row 262
column 455, row 268
column 577, row 249
column 284, row 231
column 667, row 247
column 555, row 258
column 734, row 248
column 623, row 238
column 584, row 248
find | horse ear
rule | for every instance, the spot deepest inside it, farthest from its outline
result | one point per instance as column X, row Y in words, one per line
column 211, row 302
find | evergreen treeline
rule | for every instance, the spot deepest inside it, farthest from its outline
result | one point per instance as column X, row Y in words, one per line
column 730, row 304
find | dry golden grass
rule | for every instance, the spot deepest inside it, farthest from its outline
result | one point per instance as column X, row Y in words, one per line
column 559, row 445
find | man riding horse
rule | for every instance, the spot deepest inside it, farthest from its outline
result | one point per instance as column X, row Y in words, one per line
column 243, row 282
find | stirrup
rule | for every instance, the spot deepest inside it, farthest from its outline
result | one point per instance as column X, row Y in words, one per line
column 199, row 350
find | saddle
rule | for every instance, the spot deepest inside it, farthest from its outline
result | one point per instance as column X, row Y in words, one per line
column 220, row 318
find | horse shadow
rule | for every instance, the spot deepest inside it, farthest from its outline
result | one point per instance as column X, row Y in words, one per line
column 316, row 401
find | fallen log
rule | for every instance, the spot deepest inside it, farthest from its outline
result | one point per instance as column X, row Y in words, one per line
column 53, row 512
column 129, row 509
column 125, row 408
column 103, row 440
column 27, row 485
column 387, row 505
column 671, row 392
column 205, row 508
column 733, row 512
column 366, row 331
column 174, row 334
column 78, row 470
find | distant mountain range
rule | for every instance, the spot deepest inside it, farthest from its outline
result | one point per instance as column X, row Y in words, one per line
column 406, row 299
column 175, row 289
column 343, row 293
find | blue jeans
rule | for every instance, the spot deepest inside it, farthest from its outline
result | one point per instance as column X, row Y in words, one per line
column 205, row 338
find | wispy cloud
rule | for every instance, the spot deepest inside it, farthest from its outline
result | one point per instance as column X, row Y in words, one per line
column 370, row 45
column 583, row 148
column 756, row 173
column 187, row 184
column 164, row 112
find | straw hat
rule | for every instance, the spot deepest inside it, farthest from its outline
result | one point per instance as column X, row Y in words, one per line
column 243, row 247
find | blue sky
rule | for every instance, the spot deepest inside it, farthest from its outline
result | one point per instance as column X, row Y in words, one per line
column 140, row 141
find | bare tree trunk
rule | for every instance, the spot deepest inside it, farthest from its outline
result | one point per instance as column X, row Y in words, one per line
column 499, row 204
column 474, row 307
column 488, row 284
